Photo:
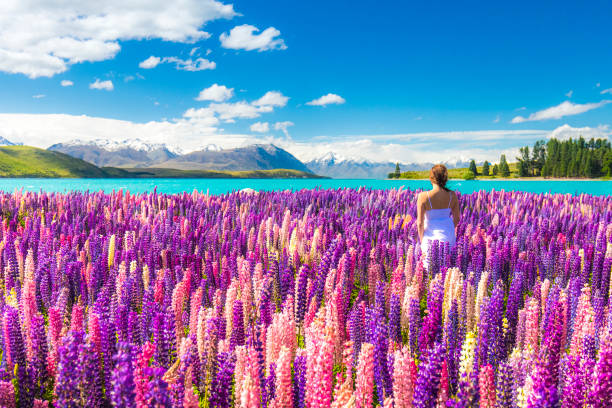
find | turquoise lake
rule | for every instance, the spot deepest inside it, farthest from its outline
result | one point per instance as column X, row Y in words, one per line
column 221, row 186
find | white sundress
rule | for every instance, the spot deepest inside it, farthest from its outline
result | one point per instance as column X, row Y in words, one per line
column 439, row 226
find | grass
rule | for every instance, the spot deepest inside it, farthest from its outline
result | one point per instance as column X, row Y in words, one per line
column 27, row 161
column 459, row 173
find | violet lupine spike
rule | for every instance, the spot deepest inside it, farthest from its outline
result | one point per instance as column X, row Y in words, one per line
column 428, row 379
column 68, row 387
column 221, row 387
column 122, row 393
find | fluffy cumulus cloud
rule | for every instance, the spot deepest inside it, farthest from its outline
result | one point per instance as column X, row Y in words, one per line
column 329, row 99
column 150, row 62
column 198, row 64
column 566, row 108
column 272, row 98
column 248, row 37
column 260, row 127
column 216, row 93
column 566, row 132
column 73, row 31
column 102, row 85
column 66, row 82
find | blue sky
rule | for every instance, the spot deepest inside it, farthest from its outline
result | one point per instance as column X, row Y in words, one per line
column 411, row 81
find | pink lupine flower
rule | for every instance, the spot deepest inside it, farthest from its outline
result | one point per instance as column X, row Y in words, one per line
column 284, row 386
column 76, row 322
column 584, row 322
column 320, row 349
column 365, row 377
column 7, row 394
column 486, row 382
column 141, row 379
column 532, row 327
column 404, row 378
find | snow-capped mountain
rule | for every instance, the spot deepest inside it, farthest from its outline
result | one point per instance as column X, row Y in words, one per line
column 136, row 153
column 126, row 153
column 5, row 142
column 252, row 157
column 338, row 166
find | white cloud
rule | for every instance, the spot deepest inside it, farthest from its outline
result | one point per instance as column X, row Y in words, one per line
column 283, row 126
column 260, row 127
column 328, row 99
column 66, row 82
column 272, row 98
column 569, row 93
column 43, row 38
column 216, row 93
column 39, row 96
column 199, row 64
column 244, row 37
column 200, row 127
column 102, row 85
column 497, row 119
column 606, row 91
column 566, row 108
column 565, row 132
column 150, row 62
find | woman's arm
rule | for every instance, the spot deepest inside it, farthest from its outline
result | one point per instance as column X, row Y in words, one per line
column 420, row 219
column 455, row 209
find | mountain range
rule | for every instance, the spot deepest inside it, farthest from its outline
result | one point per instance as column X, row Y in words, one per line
column 138, row 154
column 336, row 166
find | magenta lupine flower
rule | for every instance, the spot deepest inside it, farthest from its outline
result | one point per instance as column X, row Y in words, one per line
column 600, row 394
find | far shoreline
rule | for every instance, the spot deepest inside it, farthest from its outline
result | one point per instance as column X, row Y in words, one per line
column 511, row 179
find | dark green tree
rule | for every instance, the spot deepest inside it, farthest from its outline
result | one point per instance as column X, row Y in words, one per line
column 473, row 168
column 495, row 169
column 485, row 168
column 504, row 169
column 397, row 170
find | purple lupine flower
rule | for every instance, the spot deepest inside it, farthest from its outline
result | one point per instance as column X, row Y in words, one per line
column 505, row 386
column 428, row 379
column 157, row 395
column 600, row 394
column 92, row 381
column 299, row 383
column 221, row 387
column 68, row 374
column 395, row 330
column 122, row 384
column 237, row 337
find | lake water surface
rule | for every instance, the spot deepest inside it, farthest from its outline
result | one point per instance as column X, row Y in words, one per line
column 221, row 186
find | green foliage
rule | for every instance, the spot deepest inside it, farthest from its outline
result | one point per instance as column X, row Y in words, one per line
column 469, row 175
column 485, row 168
column 574, row 158
column 397, row 170
column 504, row 169
column 473, row 168
column 495, row 170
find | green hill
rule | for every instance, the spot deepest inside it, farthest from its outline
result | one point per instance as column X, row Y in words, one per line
column 459, row 173
column 27, row 161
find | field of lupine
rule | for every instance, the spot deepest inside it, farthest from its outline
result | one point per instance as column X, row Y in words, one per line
column 315, row 299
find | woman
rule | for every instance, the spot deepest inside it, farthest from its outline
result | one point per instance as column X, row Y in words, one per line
column 437, row 212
